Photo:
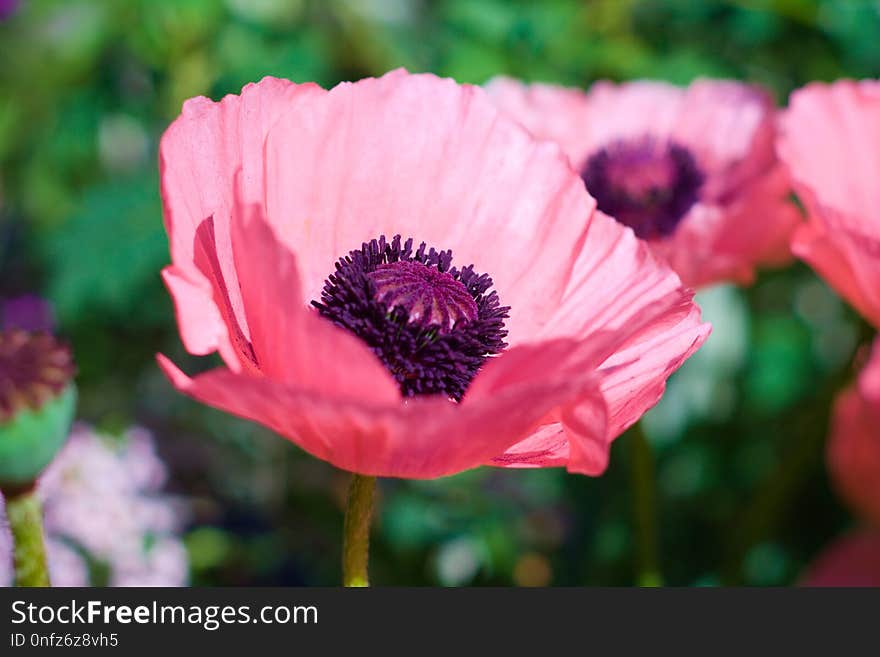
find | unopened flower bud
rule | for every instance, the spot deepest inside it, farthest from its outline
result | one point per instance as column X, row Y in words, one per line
column 37, row 403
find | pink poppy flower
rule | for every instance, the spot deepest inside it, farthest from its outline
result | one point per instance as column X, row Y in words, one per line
column 692, row 170
column 525, row 311
column 830, row 141
column 854, row 444
column 853, row 560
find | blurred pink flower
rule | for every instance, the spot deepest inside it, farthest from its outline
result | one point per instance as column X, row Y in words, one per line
column 692, row 170
column 102, row 503
column 854, row 444
column 284, row 195
column 852, row 560
column 830, row 141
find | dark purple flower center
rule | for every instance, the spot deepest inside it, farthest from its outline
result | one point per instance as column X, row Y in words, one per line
column 432, row 325
column 428, row 295
column 647, row 185
column 34, row 367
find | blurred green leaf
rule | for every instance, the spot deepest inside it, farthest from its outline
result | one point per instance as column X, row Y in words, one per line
column 103, row 257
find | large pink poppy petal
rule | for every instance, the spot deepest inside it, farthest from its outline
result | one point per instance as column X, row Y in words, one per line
column 547, row 111
column 424, row 438
column 201, row 327
column 211, row 156
column 634, row 379
column 619, row 286
column 618, row 289
column 546, row 447
column 854, row 444
column 292, row 344
column 831, row 258
column 853, row 560
column 577, row 434
column 844, row 249
column 830, row 140
column 589, row 450
column 862, row 253
column 574, row 432
column 615, row 277
column 424, row 157
column 208, row 262
column 577, row 440
column 566, row 358
column 869, row 378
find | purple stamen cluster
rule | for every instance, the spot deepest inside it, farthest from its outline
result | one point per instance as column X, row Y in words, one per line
column 34, row 367
column 645, row 185
column 432, row 325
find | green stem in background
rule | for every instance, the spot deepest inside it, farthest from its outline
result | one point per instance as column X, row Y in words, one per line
column 644, row 492
column 356, row 540
column 25, row 516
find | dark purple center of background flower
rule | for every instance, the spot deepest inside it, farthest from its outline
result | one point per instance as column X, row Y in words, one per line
column 33, row 368
column 431, row 324
column 647, row 185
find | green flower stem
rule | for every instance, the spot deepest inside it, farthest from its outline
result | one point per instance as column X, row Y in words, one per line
column 644, row 491
column 356, row 540
column 25, row 516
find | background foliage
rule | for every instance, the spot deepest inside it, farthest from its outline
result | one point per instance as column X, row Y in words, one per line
column 86, row 88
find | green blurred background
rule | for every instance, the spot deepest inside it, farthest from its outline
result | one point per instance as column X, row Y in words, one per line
column 86, row 88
